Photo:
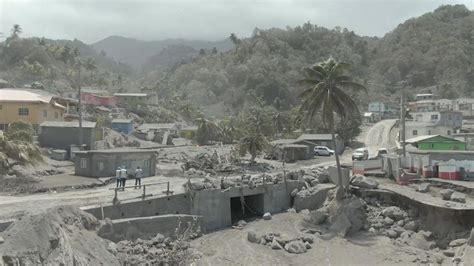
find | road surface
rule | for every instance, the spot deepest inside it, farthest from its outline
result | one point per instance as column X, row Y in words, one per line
column 380, row 135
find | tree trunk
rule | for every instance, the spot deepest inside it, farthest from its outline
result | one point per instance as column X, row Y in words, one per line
column 336, row 155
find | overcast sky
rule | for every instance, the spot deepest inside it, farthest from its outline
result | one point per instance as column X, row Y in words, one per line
column 91, row 21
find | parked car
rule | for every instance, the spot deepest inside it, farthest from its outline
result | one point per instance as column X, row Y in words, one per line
column 381, row 151
column 360, row 154
column 323, row 151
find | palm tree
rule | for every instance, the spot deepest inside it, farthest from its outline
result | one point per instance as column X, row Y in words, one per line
column 253, row 143
column 16, row 30
column 326, row 94
column 206, row 131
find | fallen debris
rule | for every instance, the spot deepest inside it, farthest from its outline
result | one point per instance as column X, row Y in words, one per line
column 364, row 182
column 424, row 187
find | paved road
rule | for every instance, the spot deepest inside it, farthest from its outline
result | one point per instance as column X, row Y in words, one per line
column 380, row 135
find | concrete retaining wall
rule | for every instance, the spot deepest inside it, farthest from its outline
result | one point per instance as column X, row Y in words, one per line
column 148, row 227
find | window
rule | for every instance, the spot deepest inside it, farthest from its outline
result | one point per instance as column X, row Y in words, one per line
column 56, row 115
column 434, row 117
column 45, row 113
column 415, row 132
column 83, row 163
column 432, row 145
column 23, row 111
column 449, row 132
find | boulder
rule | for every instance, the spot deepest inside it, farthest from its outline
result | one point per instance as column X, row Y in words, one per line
column 458, row 197
column 364, row 182
column 112, row 248
column 275, row 244
column 394, row 212
column 446, row 193
column 411, row 225
column 295, row 247
column 310, row 199
column 304, row 212
column 267, row 216
column 252, row 237
column 448, row 252
column 158, row 239
column 458, row 242
column 388, row 221
column 392, row 233
column 346, row 216
column 291, row 210
column 419, row 241
column 307, row 245
column 398, row 229
column 424, row 187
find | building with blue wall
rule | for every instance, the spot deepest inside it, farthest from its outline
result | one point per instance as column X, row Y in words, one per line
column 124, row 126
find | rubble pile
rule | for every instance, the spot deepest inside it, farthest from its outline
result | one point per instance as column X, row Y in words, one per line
column 276, row 241
column 60, row 236
column 204, row 163
column 159, row 250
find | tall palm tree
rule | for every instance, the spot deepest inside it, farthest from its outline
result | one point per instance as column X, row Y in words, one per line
column 253, row 143
column 326, row 93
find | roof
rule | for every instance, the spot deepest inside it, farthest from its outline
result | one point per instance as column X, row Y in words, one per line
column 130, row 94
column 427, row 137
column 368, row 114
column 85, row 124
column 315, row 137
column 191, row 128
column 123, row 121
column 14, row 95
column 146, row 127
column 416, row 151
column 424, row 94
column 283, row 141
column 113, row 151
column 294, row 146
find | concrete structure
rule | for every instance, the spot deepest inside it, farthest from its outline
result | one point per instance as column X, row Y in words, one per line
column 131, row 100
column 424, row 96
column 290, row 150
column 436, row 142
column 442, row 164
column 58, row 155
column 63, row 135
column 22, row 105
column 443, row 123
column 323, row 140
column 103, row 163
column 218, row 208
column 124, row 126
column 155, row 132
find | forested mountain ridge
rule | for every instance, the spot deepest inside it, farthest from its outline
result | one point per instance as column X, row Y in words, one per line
column 433, row 52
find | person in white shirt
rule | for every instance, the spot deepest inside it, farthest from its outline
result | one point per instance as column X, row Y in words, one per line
column 123, row 176
column 138, row 177
column 118, row 175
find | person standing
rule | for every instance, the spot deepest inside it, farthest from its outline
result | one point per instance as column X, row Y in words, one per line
column 123, row 175
column 118, row 176
column 138, row 177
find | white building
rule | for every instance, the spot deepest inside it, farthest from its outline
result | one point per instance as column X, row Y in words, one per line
column 443, row 123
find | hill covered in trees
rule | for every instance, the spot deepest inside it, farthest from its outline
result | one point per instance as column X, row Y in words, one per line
column 434, row 52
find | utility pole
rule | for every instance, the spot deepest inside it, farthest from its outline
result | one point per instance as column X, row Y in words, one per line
column 79, row 87
column 402, row 119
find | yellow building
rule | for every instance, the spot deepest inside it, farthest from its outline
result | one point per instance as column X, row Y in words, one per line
column 29, row 107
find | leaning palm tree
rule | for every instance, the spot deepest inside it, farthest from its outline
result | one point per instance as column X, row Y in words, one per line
column 253, row 143
column 326, row 93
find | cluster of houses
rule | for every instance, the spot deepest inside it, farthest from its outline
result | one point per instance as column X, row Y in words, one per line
column 55, row 120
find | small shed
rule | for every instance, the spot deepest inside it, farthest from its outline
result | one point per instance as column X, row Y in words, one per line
column 323, row 140
column 124, row 126
column 436, row 142
column 104, row 163
column 61, row 135
column 289, row 150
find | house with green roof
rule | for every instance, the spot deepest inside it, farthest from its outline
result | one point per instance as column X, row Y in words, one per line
column 436, row 142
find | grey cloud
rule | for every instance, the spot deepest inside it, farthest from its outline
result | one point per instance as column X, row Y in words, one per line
column 90, row 20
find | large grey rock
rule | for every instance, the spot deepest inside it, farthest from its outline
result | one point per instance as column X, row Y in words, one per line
column 419, row 241
column 388, row 221
column 267, row 216
column 275, row 244
column 112, row 248
column 411, row 225
column 458, row 197
column 364, row 182
column 448, row 252
column 394, row 212
column 317, row 217
column 296, row 247
column 458, row 242
column 346, row 216
column 310, row 199
column 392, row 233
column 252, row 237
column 446, row 193
column 158, row 239
column 424, row 187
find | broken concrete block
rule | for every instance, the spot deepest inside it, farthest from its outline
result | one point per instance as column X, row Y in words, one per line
column 267, row 216
column 458, row 242
column 364, row 182
column 411, row 225
column 458, row 197
column 446, row 193
column 275, row 244
column 295, row 247
column 424, row 187
column 252, row 237
column 318, row 217
column 310, row 199
column 394, row 212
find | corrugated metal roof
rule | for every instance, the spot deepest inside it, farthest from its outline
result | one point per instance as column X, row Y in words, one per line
column 283, row 141
column 85, row 124
column 315, row 137
column 146, row 127
column 14, row 95
column 131, row 94
column 123, row 121
column 425, row 137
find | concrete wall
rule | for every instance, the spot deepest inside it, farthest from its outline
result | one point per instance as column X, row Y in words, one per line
column 97, row 164
column 148, row 227
column 213, row 206
column 333, row 175
column 63, row 137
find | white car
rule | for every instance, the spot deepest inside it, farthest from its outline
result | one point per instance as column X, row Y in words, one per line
column 360, row 154
column 323, row 151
